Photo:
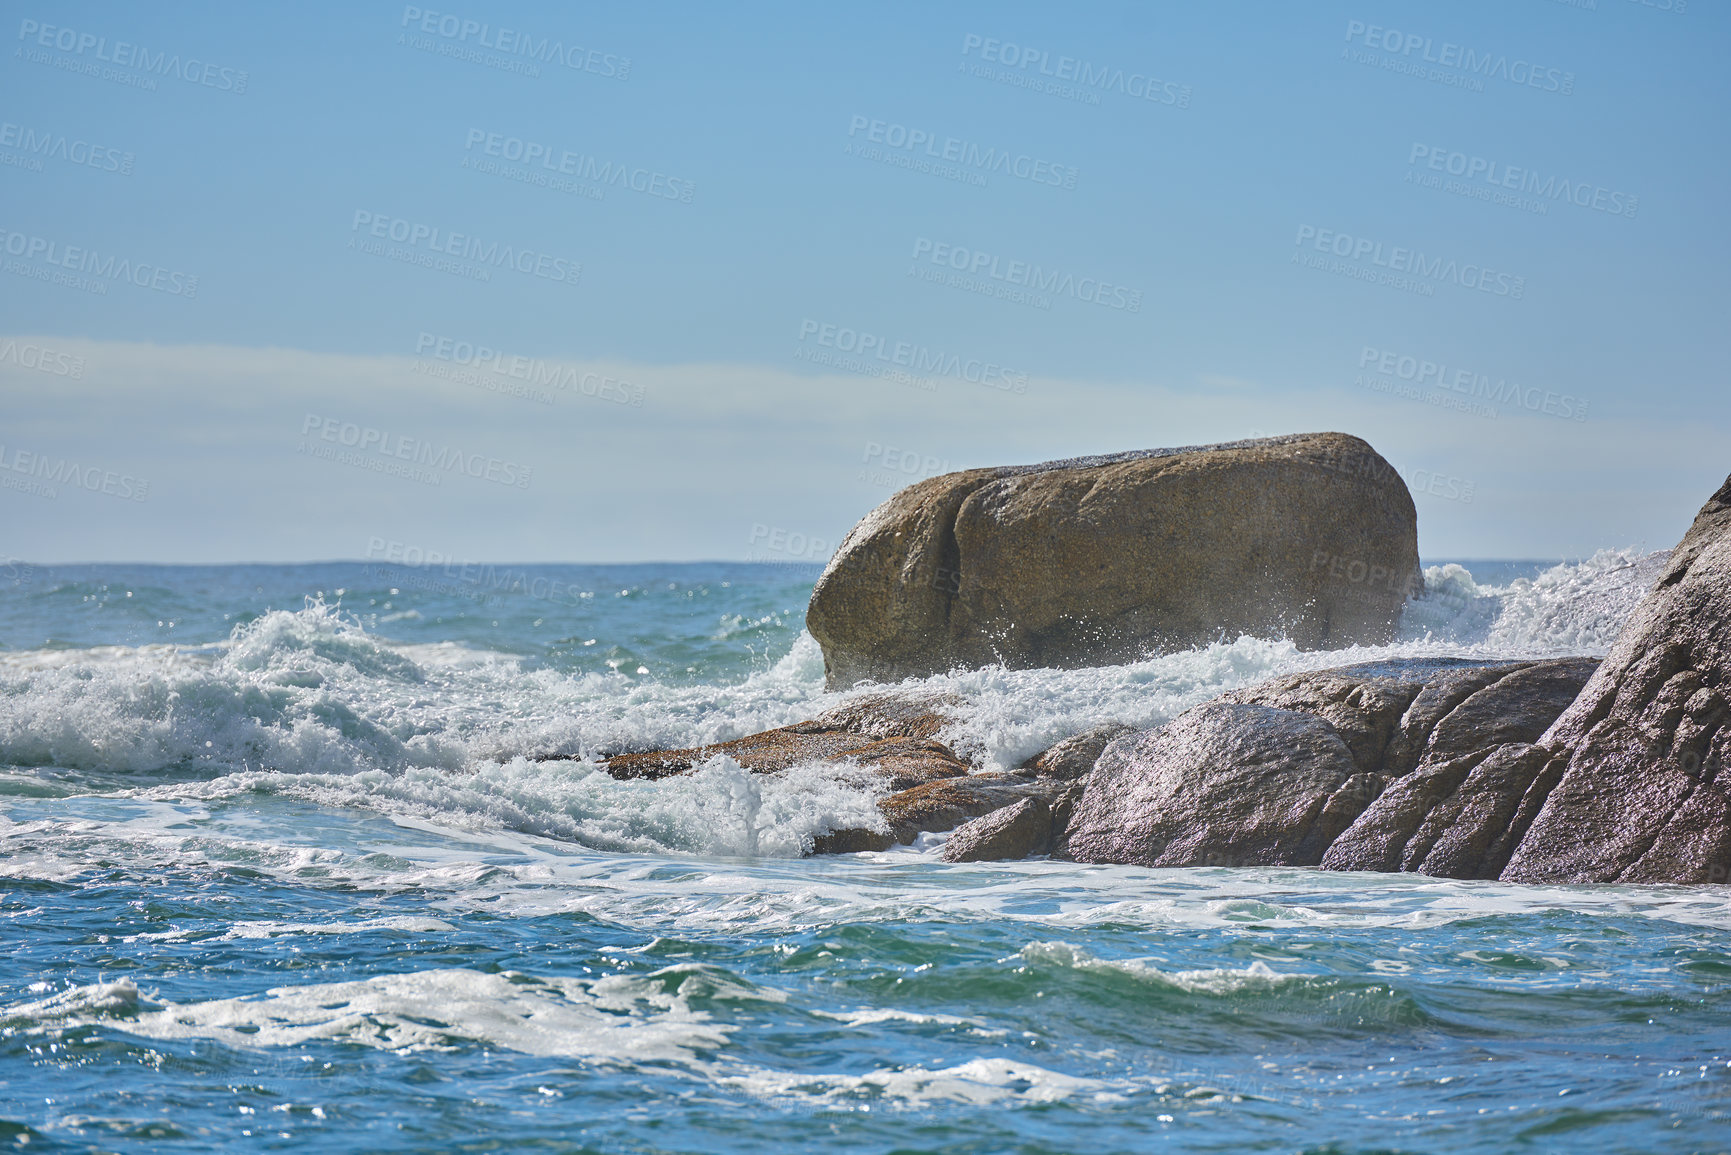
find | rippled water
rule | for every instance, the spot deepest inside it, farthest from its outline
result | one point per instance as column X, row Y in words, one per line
column 277, row 871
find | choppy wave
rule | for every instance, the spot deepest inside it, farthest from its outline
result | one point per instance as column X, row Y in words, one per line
column 1574, row 609
column 309, row 704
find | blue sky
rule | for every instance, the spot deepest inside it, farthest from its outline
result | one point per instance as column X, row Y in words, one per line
column 1488, row 237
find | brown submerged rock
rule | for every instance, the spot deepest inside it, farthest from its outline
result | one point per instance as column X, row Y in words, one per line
column 904, row 762
column 939, row 806
column 931, row 807
column 1099, row 560
column 892, row 714
column 890, row 734
column 769, row 751
column 946, row 804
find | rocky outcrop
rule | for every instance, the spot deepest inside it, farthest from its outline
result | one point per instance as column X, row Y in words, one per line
column 1638, row 761
column 1566, row 770
column 1456, row 819
column 1406, row 765
column 1100, row 560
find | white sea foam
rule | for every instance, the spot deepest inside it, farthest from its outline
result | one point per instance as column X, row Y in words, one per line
column 872, row 1016
column 265, row 929
column 618, row 1019
column 978, row 1082
column 1217, row 981
column 1566, row 609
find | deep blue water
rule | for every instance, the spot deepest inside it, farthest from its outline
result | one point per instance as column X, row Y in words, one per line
column 278, row 872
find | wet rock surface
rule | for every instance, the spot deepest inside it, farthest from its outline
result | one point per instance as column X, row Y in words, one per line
column 938, row 806
column 892, row 714
column 1015, row 831
column 1423, row 765
column 1225, row 784
column 1641, row 793
column 1074, row 757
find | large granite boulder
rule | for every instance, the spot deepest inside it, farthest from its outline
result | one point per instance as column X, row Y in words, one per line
column 1638, row 761
column 1101, row 560
column 1417, row 764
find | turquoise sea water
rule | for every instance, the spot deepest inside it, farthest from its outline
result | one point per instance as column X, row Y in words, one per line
column 314, row 855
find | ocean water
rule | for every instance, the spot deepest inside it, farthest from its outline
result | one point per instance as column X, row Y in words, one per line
column 297, row 855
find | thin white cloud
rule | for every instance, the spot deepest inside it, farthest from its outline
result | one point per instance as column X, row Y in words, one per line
column 637, row 461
